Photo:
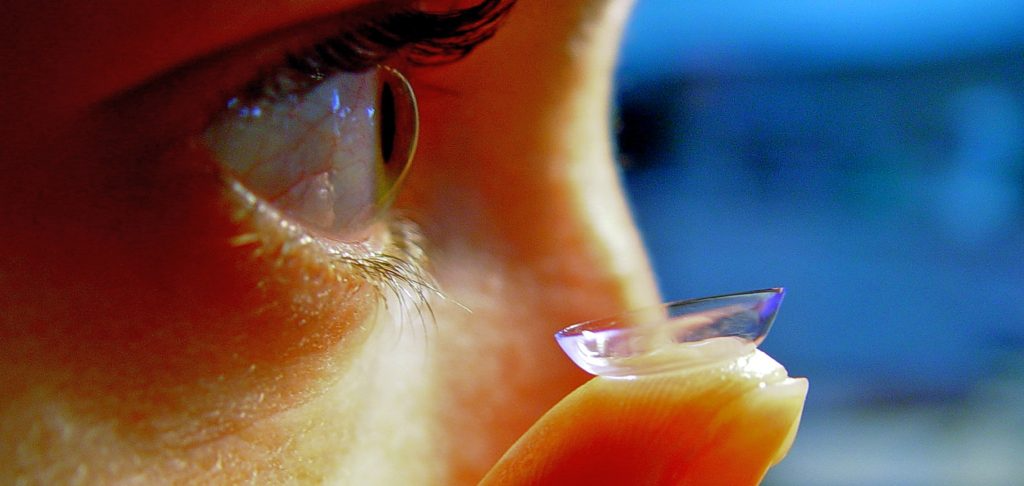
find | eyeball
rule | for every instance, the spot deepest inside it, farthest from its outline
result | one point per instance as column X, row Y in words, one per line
column 331, row 158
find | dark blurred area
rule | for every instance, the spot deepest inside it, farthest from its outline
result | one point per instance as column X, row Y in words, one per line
column 868, row 156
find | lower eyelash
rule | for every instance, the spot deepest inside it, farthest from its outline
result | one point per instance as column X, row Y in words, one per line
column 396, row 271
column 399, row 270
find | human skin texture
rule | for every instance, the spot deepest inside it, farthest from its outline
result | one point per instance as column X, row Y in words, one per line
column 157, row 326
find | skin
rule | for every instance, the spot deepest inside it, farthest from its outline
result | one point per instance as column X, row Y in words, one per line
column 138, row 340
column 155, row 326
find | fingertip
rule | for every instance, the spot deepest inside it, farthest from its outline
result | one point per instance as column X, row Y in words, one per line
column 717, row 425
column 794, row 389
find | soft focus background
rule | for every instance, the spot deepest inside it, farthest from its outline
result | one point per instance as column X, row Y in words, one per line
column 868, row 156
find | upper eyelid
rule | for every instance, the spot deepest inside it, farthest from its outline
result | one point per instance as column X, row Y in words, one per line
column 193, row 94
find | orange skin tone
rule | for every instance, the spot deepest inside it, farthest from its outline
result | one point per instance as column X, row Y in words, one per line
column 139, row 338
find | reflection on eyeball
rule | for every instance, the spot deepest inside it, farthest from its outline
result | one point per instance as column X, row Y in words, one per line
column 331, row 158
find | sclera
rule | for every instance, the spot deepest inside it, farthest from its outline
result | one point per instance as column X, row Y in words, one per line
column 672, row 336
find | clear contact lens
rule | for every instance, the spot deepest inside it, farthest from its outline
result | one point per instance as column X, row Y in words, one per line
column 672, row 336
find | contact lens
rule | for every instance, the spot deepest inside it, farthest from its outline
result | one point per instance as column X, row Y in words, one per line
column 672, row 336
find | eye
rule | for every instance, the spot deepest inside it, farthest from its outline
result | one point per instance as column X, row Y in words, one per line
column 330, row 158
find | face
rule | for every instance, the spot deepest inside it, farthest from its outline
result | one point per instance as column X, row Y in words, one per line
column 194, row 291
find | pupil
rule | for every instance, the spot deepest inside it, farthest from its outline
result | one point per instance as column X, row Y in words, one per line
column 387, row 122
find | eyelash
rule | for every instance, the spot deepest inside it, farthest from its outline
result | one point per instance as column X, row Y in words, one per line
column 420, row 39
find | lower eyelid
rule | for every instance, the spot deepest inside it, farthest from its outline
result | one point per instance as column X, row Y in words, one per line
column 395, row 264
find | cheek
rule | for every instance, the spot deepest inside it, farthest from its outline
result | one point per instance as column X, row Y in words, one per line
column 141, row 286
column 517, row 192
column 526, row 227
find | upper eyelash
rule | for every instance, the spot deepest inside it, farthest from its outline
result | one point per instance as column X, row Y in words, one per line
column 419, row 37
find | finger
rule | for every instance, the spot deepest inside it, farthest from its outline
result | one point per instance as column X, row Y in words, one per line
column 723, row 425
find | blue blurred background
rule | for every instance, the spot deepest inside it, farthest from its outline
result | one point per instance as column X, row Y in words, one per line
column 868, row 156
